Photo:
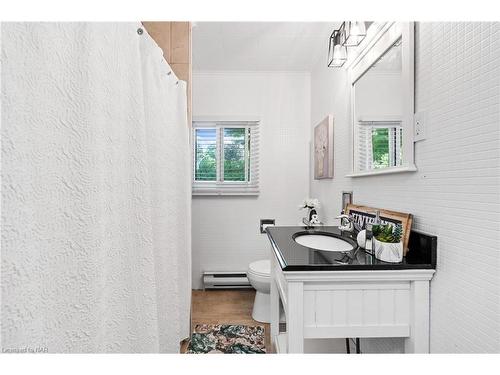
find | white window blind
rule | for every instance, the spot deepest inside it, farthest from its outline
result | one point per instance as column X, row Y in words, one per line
column 225, row 158
column 379, row 144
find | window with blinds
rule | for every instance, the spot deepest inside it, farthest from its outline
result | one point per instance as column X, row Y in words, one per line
column 225, row 157
column 379, row 144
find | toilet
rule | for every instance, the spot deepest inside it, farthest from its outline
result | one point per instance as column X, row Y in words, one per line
column 259, row 275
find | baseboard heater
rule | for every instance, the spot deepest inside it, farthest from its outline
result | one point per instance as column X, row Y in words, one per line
column 225, row 280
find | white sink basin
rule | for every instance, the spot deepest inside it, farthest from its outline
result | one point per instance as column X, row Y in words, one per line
column 323, row 242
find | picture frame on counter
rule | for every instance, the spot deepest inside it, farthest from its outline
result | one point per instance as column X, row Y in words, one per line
column 364, row 214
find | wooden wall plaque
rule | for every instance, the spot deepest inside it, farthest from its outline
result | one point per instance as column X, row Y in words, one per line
column 364, row 214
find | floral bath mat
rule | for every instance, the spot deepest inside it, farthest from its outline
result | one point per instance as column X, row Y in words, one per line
column 228, row 339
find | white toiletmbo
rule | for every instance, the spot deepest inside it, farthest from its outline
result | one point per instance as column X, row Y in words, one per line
column 259, row 275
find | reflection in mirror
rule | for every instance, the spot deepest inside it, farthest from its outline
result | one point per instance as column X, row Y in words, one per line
column 378, row 111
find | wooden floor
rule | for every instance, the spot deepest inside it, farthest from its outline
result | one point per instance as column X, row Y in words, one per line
column 232, row 306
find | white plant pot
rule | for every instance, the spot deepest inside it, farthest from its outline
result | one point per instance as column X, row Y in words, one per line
column 388, row 252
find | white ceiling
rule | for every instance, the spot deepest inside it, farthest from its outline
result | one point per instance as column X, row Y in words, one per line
column 265, row 46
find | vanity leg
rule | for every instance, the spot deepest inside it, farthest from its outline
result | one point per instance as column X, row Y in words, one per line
column 275, row 311
column 418, row 342
column 295, row 319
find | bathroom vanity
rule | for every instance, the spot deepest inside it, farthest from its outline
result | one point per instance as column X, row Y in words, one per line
column 347, row 294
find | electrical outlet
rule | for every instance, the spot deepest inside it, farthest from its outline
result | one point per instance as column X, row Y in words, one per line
column 419, row 126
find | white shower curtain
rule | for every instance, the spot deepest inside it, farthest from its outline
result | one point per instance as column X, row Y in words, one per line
column 95, row 191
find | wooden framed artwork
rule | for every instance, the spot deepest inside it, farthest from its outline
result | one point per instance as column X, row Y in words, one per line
column 323, row 149
column 363, row 215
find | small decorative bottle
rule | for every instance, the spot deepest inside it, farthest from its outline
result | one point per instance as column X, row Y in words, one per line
column 369, row 245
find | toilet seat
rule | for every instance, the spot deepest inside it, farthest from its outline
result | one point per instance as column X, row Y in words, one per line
column 261, row 268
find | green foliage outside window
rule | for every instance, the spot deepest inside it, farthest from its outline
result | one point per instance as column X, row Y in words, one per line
column 233, row 145
column 234, row 154
column 205, row 150
column 380, row 147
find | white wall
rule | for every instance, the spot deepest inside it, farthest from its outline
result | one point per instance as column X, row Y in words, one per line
column 226, row 234
column 455, row 193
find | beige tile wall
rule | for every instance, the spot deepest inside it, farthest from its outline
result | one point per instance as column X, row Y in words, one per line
column 174, row 38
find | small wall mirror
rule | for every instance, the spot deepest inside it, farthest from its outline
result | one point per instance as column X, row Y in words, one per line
column 382, row 103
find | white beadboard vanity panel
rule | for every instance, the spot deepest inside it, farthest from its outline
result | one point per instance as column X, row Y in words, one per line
column 225, row 230
column 352, row 304
column 454, row 193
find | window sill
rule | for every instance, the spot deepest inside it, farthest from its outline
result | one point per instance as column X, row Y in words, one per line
column 229, row 189
column 405, row 169
column 225, row 193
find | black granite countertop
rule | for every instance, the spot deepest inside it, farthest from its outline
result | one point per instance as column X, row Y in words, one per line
column 294, row 257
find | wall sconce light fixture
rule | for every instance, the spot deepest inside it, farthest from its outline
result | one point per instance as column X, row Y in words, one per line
column 337, row 52
column 354, row 32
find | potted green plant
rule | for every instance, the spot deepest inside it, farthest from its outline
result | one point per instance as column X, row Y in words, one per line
column 387, row 243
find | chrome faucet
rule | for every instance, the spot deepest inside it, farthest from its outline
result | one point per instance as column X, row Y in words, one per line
column 346, row 223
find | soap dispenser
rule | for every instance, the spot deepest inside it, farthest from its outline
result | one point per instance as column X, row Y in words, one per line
column 369, row 232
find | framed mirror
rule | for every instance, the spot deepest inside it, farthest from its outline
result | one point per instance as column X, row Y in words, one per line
column 382, row 102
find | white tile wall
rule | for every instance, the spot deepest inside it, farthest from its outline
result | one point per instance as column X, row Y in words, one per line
column 455, row 193
column 226, row 234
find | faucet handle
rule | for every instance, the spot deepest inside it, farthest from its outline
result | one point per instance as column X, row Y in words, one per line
column 349, row 218
column 343, row 216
